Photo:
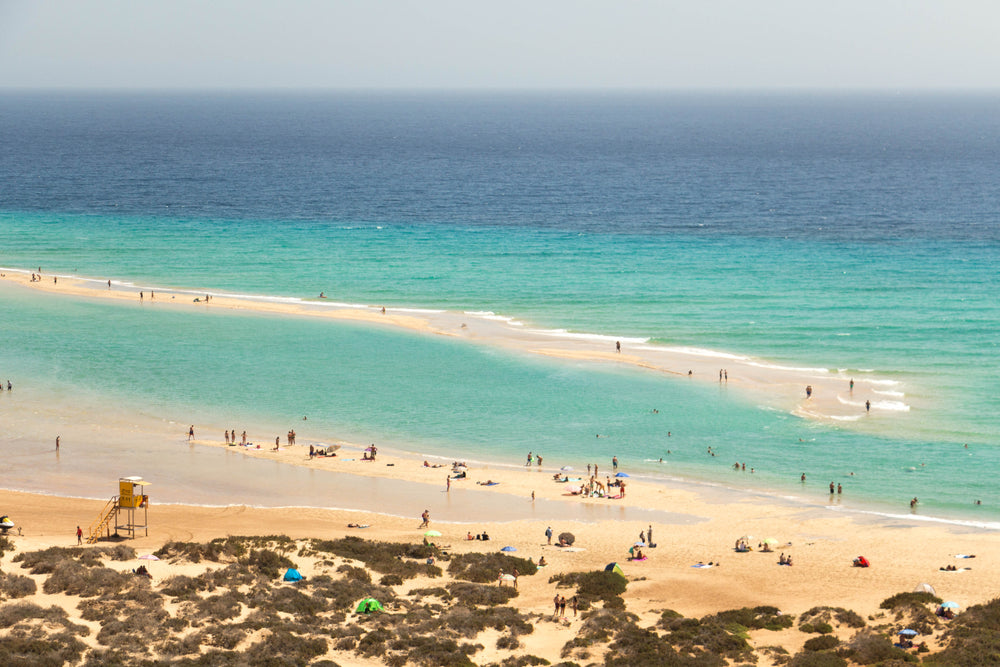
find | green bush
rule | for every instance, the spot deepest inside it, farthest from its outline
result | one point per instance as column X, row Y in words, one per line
column 821, row 643
column 600, row 585
column 868, row 648
column 972, row 638
column 754, row 618
column 817, row 660
column 818, row 627
column 909, row 599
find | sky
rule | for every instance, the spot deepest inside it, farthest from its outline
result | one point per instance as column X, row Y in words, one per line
column 896, row 45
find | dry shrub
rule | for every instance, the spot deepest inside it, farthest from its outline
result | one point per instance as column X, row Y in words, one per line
column 13, row 586
column 483, row 567
column 182, row 587
column 360, row 574
column 382, row 557
column 54, row 650
column 220, row 607
column 73, row 578
column 480, row 594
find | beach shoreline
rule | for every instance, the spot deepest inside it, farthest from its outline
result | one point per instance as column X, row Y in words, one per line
column 810, row 393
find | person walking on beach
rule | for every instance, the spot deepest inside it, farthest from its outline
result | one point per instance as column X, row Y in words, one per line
column 618, row 347
column 555, row 602
column 548, row 534
column 277, row 441
column 852, row 384
column 649, row 536
column 447, row 485
column 868, row 406
column 614, row 463
column 426, row 516
column 831, row 488
column 57, row 443
column 79, row 535
column 191, row 433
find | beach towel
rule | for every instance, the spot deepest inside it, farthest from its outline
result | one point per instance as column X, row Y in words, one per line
column 701, row 566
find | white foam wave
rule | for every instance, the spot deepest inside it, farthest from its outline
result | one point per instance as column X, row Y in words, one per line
column 779, row 367
column 895, row 394
column 428, row 311
column 562, row 333
column 702, row 352
column 988, row 525
column 490, row 315
column 896, row 406
column 845, row 418
column 884, row 383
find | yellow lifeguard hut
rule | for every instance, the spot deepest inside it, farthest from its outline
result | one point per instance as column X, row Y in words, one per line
column 123, row 510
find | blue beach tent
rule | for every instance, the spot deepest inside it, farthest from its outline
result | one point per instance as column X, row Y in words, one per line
column 293, row 575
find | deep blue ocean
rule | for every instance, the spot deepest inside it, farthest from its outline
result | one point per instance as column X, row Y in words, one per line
column 854, row 234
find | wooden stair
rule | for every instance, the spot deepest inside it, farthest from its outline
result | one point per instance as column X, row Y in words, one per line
column 103, row 520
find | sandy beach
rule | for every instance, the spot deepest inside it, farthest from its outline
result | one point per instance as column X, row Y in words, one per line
column 822, row 543
column 696, row 526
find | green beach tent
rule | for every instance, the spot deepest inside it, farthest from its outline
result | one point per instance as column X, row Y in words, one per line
column 368, row 605
column 614, row 567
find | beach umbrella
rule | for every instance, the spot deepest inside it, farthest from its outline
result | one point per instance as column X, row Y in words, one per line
column 567, row 468
column 567, row 538
column 508, row 548
column 770, row 540
column 924, row 588
column 621, row 474
column 950, row 605
column 433, row 533
column 148, row 557
column 908, row 632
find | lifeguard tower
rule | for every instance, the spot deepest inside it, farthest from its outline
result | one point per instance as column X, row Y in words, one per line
column 123, row 511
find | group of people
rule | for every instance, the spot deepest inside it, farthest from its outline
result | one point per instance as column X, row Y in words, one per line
column 559, row 601
column 10, row 387
column 231, row 438
column 537, row 458
column 785, row 560
column 479, row 536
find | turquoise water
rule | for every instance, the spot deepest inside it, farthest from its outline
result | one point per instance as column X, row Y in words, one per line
column 868, row 255
column 434, row 395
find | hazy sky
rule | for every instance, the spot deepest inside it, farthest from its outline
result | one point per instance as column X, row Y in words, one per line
column 666, row 44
